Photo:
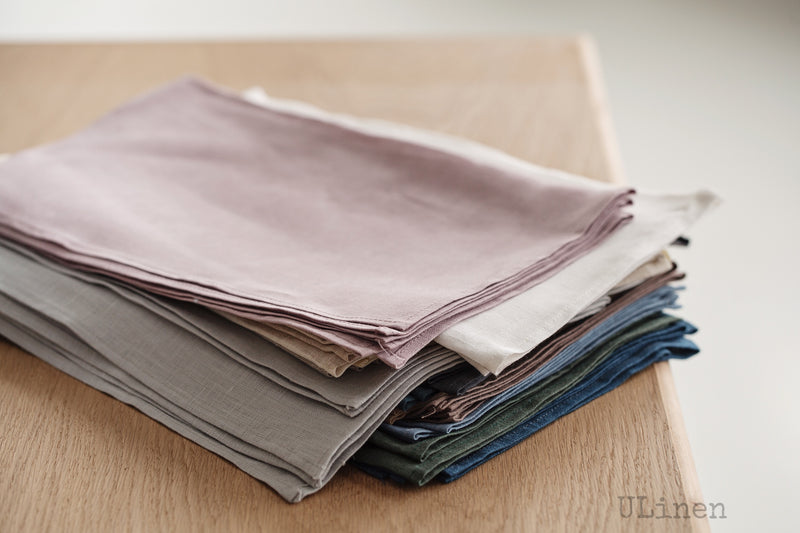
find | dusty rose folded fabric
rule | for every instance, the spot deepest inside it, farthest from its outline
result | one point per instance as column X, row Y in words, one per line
column 334, row 360
column 369, row 242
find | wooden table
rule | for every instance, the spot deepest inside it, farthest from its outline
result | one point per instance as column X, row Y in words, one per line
column 73, row 459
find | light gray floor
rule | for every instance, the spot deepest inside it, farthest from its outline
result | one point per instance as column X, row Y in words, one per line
column 703, row 94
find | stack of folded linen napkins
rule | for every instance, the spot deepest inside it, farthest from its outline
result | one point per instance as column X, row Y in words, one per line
column 291, row 288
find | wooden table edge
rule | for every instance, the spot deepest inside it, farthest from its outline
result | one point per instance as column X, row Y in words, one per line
column 661, row 372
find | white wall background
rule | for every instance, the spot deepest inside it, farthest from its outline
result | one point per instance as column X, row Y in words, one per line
column 703, row 93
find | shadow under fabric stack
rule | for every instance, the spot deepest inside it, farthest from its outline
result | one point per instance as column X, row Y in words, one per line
column 291, row 288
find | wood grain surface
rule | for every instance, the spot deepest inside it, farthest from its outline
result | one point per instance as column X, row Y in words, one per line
column 74, row 459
